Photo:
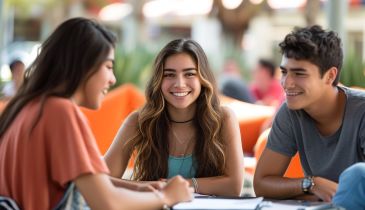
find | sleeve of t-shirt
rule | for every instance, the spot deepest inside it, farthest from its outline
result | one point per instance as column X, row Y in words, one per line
column 72, row 147
column 281, row 137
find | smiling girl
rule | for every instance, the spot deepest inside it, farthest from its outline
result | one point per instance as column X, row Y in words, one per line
column 182, row 129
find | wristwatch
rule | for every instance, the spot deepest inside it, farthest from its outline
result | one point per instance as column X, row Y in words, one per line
column 307, row 184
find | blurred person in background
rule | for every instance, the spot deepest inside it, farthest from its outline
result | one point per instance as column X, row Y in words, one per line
column 232, row 84
column 17, row 67
column 265, row 87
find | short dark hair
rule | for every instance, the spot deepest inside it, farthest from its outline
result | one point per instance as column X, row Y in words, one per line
column 320, row 47
column 268, row 65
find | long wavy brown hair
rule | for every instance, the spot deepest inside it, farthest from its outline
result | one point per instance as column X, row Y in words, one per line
column 151, row 143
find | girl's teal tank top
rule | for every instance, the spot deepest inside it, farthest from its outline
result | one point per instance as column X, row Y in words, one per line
column 181, row 166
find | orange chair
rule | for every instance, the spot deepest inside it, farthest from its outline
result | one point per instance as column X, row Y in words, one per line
column 3, row 104
column 294, row 169
column 117, row 105
column 251, row 118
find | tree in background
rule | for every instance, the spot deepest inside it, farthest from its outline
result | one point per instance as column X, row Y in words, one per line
column 235, row 22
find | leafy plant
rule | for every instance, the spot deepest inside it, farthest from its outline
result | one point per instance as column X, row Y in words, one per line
column 353, row 71
column 133, row 67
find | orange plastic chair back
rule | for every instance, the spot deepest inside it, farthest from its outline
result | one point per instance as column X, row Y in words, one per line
column 117, row 105
column 251, row 118
column 294, row 169
column 3, row 104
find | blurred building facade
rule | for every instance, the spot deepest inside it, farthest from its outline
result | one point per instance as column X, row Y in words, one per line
column 251, row 28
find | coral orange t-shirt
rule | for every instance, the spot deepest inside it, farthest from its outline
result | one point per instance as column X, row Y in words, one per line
column 37, row 164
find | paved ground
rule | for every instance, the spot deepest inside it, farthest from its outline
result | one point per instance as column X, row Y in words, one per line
column 247, row 190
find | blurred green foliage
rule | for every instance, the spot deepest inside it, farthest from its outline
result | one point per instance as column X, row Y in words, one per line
column 353, row 69
column 134, row 66
column 24, row 7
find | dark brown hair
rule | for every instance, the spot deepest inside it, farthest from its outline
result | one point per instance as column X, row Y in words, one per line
column 71, row 54
column 320, row 47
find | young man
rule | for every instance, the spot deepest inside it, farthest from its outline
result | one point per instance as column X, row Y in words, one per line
column 322, row 121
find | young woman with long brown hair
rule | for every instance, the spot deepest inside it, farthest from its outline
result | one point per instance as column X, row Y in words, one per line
column 182, row 129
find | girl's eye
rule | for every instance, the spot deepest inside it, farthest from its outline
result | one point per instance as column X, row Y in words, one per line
column 168, row 75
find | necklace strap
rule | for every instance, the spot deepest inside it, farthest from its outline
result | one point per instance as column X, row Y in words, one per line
column 186, row 121
column 189, row 140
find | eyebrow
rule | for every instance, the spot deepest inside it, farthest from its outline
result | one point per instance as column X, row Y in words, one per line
column 294, row 69
column 110, row 59
column 184, row 70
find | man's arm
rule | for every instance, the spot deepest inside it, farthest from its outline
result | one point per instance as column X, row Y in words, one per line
column 269, row 181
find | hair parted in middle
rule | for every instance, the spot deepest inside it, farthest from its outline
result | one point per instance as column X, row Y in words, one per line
column 151, row 143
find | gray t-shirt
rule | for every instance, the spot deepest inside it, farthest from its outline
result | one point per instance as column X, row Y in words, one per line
column 328, row 156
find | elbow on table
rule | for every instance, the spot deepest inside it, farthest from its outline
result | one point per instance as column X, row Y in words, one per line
column 258, row 188
column 237, row 192
column 236, row 189
column 259, row 193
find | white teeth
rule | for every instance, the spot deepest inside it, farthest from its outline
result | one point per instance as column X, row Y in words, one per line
column 105, row 91
column 292, row 93
column 180, row 94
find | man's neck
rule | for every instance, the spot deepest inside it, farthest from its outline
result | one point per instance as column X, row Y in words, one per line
column 328, row 114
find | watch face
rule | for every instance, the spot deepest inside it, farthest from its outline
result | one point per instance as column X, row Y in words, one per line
column 306, row 184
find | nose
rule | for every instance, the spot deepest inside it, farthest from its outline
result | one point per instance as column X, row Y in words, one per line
column 113, row 79
column 287, row 81
column 180, row 81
